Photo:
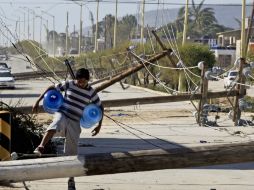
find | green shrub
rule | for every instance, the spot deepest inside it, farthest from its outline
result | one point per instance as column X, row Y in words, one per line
column 26, row 133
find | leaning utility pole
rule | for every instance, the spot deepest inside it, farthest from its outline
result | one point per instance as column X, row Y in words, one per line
column 142, row 23
column 241, row 80
column 249, row 29
column 185, row 26
column 80, row 30
column 243, row 29
column 67, row 33
column 96, row 29
column 181, row 78
column 28, row 25
column 204, row 91
column 115, row 26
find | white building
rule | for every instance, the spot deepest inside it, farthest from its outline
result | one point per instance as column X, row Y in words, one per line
column 224, row 56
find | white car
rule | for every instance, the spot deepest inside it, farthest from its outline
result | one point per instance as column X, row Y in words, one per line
column 6, row 79
column 229, row 78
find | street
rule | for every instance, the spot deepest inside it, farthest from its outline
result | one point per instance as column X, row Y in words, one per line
column 167, row 125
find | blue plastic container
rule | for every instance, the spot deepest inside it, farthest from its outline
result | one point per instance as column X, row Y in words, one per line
column 91, row 115
column 52, row 101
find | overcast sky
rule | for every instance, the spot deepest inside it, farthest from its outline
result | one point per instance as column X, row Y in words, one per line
column 13, row 10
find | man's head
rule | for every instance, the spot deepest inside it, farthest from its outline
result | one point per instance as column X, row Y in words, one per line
column 82, row 77
column 82, row 73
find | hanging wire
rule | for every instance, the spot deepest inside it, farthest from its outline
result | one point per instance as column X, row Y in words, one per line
column 38, row 49
column 188, row 78
column 20, row 51
column 157, row 11
column 172, row 68
column 124, row 61
column 177, row 53
column 174, row 45
column 251, row 76
column 175, row 42
column 152, row 46
column 157, row 79
column 125, row 126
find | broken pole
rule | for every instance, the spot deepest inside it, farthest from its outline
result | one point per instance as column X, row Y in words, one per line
column 241, row 92
column 130, row 71
column 149, row 100
column 121, row 162
column 204, row 89
column 164, row 99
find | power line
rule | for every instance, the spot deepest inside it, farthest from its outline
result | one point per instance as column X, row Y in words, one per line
column 68, row 2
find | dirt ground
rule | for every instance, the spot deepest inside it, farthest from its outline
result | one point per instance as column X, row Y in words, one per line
column 128, row 116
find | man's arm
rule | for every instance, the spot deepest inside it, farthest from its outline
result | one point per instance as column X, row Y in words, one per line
column 98, row 128
column 36, row 105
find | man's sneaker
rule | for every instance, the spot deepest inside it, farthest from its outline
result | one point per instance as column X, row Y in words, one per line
column 39, row 150
column 71, row 184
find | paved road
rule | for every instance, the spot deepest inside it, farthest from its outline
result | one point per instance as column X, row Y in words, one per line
column 176, row 129
column 19, row 64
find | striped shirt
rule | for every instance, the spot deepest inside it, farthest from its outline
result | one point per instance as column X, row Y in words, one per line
column 76, row 99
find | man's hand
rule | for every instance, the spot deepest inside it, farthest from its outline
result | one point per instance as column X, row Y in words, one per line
column 36, row 105
column 96, row 130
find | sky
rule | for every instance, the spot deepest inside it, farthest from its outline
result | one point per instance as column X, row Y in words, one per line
column 12, row 11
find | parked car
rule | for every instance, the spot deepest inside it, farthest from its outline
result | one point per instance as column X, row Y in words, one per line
column 229, row 78
column 6, row 79
column 4, row 66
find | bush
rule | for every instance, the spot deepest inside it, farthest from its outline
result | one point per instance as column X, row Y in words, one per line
column 191, row 55
column 26, row 133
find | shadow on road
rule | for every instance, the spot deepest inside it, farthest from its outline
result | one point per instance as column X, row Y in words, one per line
column 19, row 95
column 107, row 145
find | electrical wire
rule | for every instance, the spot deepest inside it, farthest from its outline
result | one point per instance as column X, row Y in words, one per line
column 123, row 2
column 125, row 126
column 251, row 76
column 169, row 90
column 38, row 49
column 20, row 51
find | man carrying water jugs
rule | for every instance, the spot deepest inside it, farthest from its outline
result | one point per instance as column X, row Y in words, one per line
column 77, row 95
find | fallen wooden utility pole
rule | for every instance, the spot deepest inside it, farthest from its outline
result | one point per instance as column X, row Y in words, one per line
column 120, row 162
column 131, row 70
column 164, row 99
column 149, row 100
column 37, row 74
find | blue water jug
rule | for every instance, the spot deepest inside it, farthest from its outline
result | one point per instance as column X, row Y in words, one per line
column 52, row 101
column 91, row 115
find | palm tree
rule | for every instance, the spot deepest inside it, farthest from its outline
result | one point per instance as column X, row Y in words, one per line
column 130, row 22
column 201, row 18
